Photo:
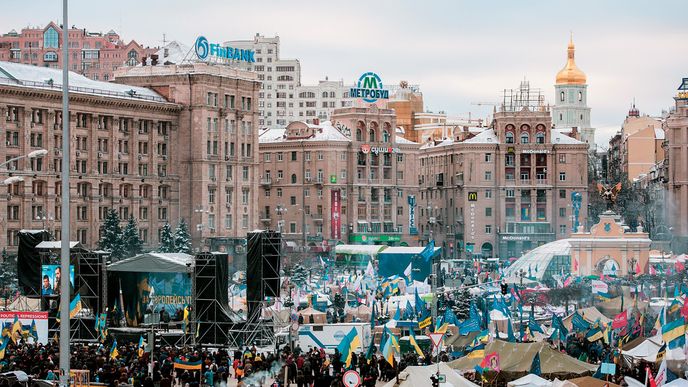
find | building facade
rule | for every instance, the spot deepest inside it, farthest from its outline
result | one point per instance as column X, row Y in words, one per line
column 316, row 103
column 571, row 99
column 349, row 180
column 641, row 144
column 676, row 127
column 93, row 54
column 503, row 190
column 217, row 152
column 123, row 152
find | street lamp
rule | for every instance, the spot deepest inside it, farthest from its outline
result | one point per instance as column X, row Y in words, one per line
column 199, row 226
column 32, row 155
column 43, row 216
column 280, row 210
column 12, row 180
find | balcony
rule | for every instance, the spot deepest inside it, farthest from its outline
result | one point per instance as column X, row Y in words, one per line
column 266, row 182
column 265, row 218
column 318, row 218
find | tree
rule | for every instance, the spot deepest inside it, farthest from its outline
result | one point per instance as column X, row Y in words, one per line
column 8, row 274
column 462, row 308
column 298, row 275
column 111, row 239
column 133, row 244
column 182, row 238
column 167, row 240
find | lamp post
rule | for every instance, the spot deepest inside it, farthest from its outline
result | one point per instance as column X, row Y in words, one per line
column 280, row 210
column 200, row 210
column 32, row 155
column 43, row 217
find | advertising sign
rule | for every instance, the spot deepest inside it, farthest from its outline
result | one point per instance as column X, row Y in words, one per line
column 336, row 214
column 369, row 88
column 204, row 49
column 40, row 319
column 376, row 150
column 50, row 279
column 413, row 229
column 143, row 292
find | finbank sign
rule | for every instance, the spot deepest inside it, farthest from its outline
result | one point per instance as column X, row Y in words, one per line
column 205, row 49
column 369, row 88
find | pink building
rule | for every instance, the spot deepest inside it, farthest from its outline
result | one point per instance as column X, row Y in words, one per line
column 93, row 54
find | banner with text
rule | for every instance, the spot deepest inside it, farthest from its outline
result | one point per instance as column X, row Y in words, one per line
column 336, row 214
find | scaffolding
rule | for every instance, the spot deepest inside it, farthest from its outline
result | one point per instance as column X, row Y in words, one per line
column 514, row 100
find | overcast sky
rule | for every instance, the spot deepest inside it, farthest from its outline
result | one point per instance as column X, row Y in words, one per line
column 458, row 52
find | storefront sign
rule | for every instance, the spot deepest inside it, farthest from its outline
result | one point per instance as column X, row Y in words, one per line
column 369, row 88
column 471, row 218
column 472, row 196
column 366, row 148
column 343, row 129
column 515, row 238
column 336, row 214
column 535, row 151
column 413, row 230
column 205, row 49
column 368, row 238
column 314, row 238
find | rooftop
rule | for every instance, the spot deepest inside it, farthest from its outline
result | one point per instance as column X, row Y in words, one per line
column 17, row 74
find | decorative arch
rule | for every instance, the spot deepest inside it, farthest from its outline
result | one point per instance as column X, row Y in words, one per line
column 372, row 132
column 486, row 250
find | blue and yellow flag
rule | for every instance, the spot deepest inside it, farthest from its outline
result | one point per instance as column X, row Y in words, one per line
column 391, row 349
column 142, row 345
column 187, row 365
column 16, row 330
column 414, row 344
column 673, row 333
column 33, row 332
column 75, row 306
column 348, row 346
column 3, row 347
column 113, row 351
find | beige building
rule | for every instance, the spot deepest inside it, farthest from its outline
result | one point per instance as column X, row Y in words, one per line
column 503, row 190
column 677, row 158
column 348, row 180
column 217, row 146
column 641, row 144
column 123, row 151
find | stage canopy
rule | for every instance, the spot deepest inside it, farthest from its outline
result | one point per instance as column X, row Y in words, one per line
column 155, row 263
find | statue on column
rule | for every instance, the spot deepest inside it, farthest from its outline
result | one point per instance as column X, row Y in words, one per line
column 609, row 194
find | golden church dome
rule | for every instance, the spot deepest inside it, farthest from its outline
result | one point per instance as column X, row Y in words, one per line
column 571, row 74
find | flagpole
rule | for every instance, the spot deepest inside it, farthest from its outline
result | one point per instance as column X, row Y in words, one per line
column 65, row 209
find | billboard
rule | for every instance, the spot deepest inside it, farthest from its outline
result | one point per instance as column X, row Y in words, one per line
column 50, row 279
column 140, row 293
column 27, row 319
column 336, row 215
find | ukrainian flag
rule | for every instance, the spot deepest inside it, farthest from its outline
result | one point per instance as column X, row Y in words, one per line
column 33, row 332
column 673, row 333
column 348, row 346
column 5, row 341
column 113, row 351
column 414, row 344
column 75, row 306
column 391, row 349
column 442, row 328
column 141, row 346
column 16, row 328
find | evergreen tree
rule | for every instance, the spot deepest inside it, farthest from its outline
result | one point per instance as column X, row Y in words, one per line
column 462, row 308
column 182, row 238
column 299, row 275
column 111, row 239
column 8, row 274
column 167, row 240
column 130, row 236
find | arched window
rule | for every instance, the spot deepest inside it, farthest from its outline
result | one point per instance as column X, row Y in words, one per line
column 50, row 38
column 580, row 96
column 561, row 117
column 385, row 136
column 324, row 94
column 525, row 138
column 371, row 135
column 561, row 96
column 540, row 138
column 331, row 94
column 359, row 134
column 293, row 178
column 509, row 137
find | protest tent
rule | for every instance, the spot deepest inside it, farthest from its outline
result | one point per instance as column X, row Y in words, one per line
column 318, row 317
column 677, row 383
column 589, row 381
column 25, row 304
column 361, row 313
column 517, row 358
column 647, row 350
column 415, row 376
column 530, row 380
column 590, row 315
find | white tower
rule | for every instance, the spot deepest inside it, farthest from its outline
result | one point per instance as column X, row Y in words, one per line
column 571, row 100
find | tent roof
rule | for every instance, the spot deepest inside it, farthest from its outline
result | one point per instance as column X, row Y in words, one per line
column 408, row 250
column 415, row 376
column 647, row 350
column 309, row 311
column 155, row 263
column 530, row 380
column 25, row 304
column 518, row 357
column 459, row 341
column 590, row 314
column 53, row 245
column 589, row 381
column 370, row 250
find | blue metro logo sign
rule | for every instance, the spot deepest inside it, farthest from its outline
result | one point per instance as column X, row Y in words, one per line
column 369, row 88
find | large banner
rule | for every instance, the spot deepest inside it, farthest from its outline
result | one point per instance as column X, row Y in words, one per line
column 143, row 293
column 336, row 214
column 50, row 279
column 27, row 319
column 413, row 229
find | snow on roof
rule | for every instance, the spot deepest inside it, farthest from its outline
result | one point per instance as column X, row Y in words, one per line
column 659, row 134
column 327, row 132
column 560, row 137
column 49, row 78
column 52, row 245
column 536, row 261
column 487, row 136
column 176, row 52
column 401, row 140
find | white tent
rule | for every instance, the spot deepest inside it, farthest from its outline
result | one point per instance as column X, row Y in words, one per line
column 25, row 304
column 415, row 376
column 530, row 380
column 647, row 350
column 677, row 383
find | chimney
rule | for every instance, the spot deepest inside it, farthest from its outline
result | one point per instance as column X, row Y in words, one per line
column 143, row 61
column 154, row 59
